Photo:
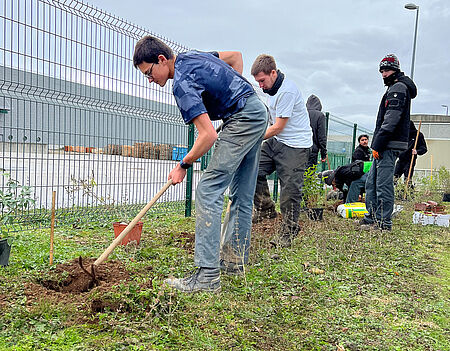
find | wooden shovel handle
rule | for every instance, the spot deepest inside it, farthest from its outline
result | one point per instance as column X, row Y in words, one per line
column 412, row 160
column 131, row 225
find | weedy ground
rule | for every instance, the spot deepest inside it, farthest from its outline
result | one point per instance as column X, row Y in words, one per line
column 337, row 288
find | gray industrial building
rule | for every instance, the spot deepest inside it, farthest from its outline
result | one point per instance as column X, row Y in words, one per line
column 40, row 111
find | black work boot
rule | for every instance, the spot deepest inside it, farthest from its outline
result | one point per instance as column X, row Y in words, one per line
column 231, row 268
column 202, row 279
column 259, row 216
column 367, row 224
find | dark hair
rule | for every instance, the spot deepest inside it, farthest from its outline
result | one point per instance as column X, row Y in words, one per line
column 263, row 63
column 148, row 49
column 362, row 136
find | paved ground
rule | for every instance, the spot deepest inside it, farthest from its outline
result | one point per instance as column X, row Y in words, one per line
column 125, row 180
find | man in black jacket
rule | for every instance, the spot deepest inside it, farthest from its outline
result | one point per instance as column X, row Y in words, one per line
column 390, row 138
column 317, row 121
column 362, row 151
column 404, row 159
column 352, row 175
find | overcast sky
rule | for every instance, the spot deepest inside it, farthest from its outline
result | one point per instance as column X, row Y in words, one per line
column 329, row 48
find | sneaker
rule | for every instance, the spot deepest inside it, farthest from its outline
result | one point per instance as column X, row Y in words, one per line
column 231, row 268
column 202, row 279
column 259, row 216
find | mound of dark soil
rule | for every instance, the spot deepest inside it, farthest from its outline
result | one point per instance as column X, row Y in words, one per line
column 71, row 278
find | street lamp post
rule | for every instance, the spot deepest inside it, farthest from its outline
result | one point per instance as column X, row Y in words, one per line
column 411, row 6
column 446, row 107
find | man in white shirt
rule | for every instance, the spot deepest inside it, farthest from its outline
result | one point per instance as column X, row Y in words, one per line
column 286, row 150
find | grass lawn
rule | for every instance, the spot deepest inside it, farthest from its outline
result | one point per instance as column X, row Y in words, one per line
column 337, row 288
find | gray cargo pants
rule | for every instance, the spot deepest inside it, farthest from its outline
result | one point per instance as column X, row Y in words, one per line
column 290, row 165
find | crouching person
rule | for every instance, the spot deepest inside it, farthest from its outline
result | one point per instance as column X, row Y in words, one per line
column 352, row 175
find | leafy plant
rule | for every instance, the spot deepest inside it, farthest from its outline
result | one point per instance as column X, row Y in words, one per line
column 88, row 187
column 313, row 189
column 439, row 183
column 14, row 198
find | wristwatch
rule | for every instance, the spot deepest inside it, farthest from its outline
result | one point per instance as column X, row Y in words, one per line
column 185, row 165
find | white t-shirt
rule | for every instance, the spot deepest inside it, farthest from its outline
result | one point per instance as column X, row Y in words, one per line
column 288, row 103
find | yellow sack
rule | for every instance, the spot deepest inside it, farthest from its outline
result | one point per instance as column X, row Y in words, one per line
column 352, row 210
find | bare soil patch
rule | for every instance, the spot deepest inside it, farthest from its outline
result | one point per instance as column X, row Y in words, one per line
column 67, row 284
column 71, row 279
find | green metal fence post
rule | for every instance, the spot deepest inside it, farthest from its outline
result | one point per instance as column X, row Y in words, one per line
column 327, row 119
column 190, row 173
column 355, row 127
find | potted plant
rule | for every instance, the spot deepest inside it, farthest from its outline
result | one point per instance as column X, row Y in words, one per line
column 118, row 211
column 313, row 194
column 14, row 198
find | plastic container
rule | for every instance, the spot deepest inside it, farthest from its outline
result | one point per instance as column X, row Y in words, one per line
column 178, row 152
column 133, row 235
column 367, row 165
column 352, row 210
column 315, row 214
column 5, row 251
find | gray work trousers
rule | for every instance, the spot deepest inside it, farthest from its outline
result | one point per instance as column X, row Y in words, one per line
column 290, row 165
column 233, row 164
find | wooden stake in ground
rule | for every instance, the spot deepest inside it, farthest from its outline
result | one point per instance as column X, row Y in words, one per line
column 131, row 225
column 328, row 161
column 431, row 166
column 412, row 160
column 52, row 227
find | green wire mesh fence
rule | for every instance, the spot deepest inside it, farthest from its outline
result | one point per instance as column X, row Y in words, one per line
column 77, row 118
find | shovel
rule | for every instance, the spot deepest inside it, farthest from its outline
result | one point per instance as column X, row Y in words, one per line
column 125, row 232
column 225, row 224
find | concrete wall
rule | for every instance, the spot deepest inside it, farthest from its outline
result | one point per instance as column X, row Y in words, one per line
column 436, row 130
column 23, row 148
column 51, row 111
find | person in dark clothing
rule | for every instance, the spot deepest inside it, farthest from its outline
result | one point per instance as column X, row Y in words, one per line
column 317, row 121
column 362, row 151
column 352, row 175
column 404, row 159
column 390, row 138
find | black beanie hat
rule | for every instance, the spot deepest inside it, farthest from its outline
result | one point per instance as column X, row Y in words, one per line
column 390, row 62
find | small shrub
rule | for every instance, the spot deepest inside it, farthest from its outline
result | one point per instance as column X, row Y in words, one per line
column 313, row 189
column 14, row 198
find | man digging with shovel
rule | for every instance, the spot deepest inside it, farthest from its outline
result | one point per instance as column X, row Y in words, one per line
column 206, row 88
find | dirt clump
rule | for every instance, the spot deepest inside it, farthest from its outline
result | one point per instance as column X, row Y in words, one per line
column 69, row 278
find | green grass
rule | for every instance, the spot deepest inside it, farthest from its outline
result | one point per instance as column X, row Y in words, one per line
column 337, row 288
